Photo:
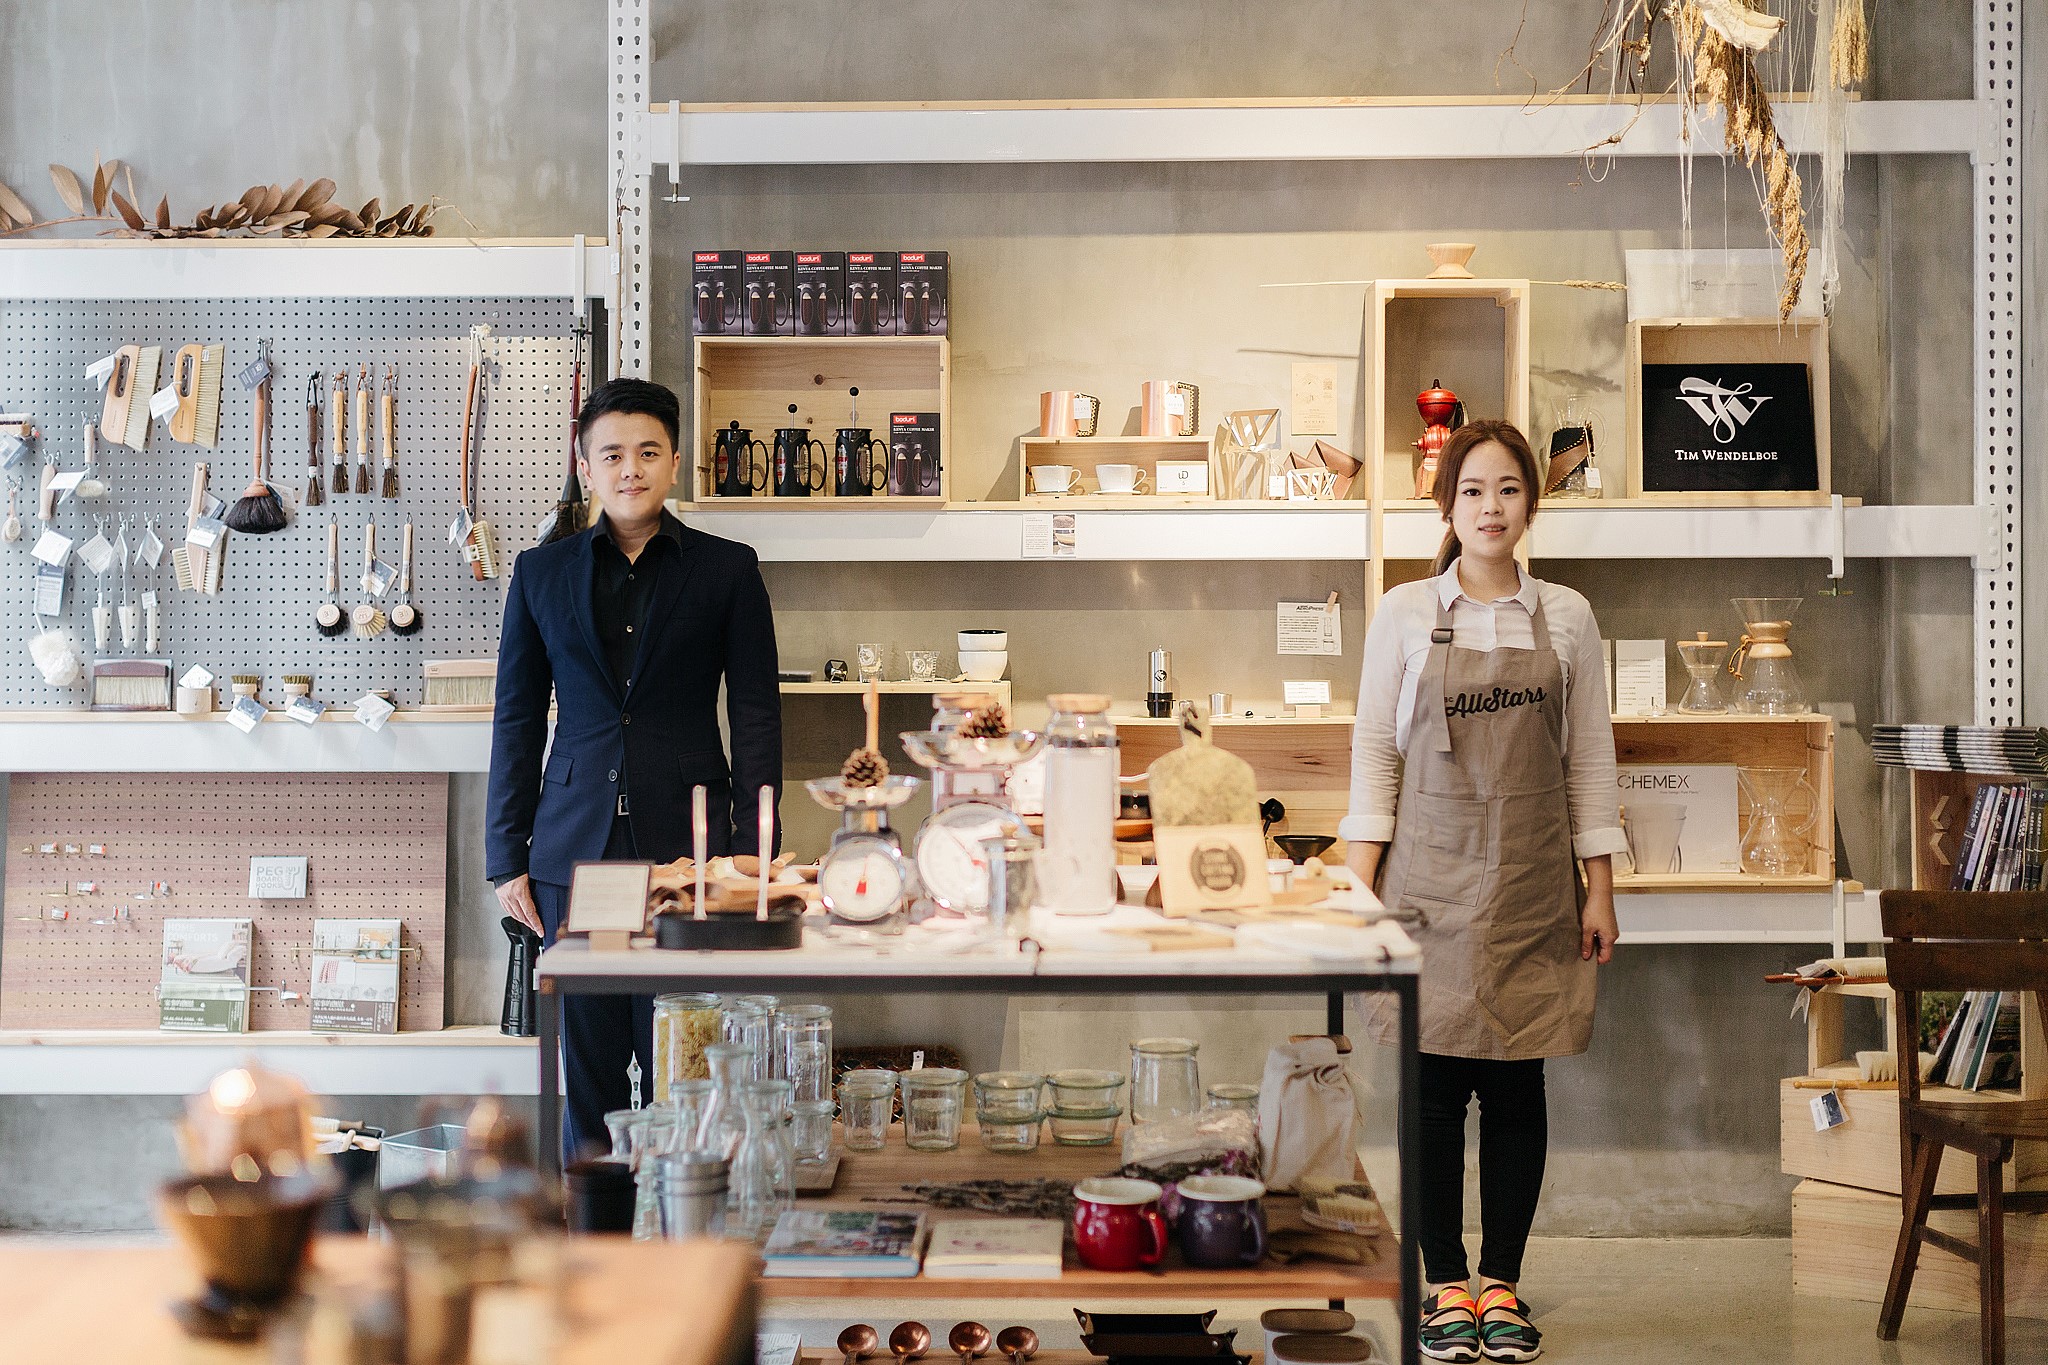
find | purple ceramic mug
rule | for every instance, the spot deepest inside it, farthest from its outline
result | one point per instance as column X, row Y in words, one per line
column 1221, row 1223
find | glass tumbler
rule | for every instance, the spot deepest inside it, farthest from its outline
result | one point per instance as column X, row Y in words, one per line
column 811, row 1131
column 869, row 658
column 1233, row 1095
column 749, row 1020
column 1085, row 1107
column 803, row 1050
column 1164, row 1079
column 931, row 1108
column 924, row 665
column 867, row 1101
column 1009, row 1108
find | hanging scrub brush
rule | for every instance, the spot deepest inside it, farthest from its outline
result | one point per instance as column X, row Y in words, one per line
column 362, row 428
column 388, row 430
column 337, row 426
column 481, row 545
column 259, row 511
column 128, row 614
column 368, row 618
column 405, row 617
column 315, row 493
column 330, row 619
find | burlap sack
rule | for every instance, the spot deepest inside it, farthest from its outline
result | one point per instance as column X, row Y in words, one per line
column 1306, row 1114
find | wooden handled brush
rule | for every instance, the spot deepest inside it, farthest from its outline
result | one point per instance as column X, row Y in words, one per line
column 337, row 420
column 120, row 395
column 185, row 378
column 330, row 619
column 259, row 511
column 481, row 546
column 362, row 428
column 405, row 617
column 368, row 618
column 388, row 423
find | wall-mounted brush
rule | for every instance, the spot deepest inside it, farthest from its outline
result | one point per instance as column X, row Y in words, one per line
column 316, row 492
column 10, row 528
column 405, row 617
column 330, row 619
column 567, row 518
column 481, row 544
column 120, row 395
column 337, row 426
column 90, row 486
column 363, row 391
column 387, row 422
column 259, row 511
column 128, row 614
column 368, row 618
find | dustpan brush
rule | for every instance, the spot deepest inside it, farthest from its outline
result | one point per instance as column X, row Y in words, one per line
column 259, row 511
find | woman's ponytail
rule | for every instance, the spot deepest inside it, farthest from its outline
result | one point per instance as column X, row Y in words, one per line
column 1447, row 552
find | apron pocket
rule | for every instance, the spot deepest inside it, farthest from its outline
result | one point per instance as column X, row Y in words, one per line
column 1447, row 841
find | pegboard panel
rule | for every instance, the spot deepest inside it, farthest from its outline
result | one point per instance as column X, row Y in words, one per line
column 376, row 845
column 262, row 620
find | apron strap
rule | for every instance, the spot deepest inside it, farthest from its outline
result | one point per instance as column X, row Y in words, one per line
column 1538, row 626
column 1431, row 725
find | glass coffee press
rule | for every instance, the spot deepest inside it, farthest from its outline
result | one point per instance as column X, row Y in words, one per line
column 1702, row 658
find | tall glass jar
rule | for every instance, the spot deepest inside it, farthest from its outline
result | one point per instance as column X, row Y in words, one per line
column 750, row 1021
column 1164, row 1079
column 718, row 1132
column 803, row 1050
column 684, row 1025
column 762, row 1185
column 690, row 1100
column 1077, row 870
column 657, row 1137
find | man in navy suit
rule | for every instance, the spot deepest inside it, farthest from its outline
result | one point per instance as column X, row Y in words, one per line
column 629, row 628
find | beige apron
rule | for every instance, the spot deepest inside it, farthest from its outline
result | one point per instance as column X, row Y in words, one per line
column 1483, row 849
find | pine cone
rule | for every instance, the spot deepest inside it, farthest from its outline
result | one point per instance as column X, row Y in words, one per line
column 987, row 722
column 864, row 768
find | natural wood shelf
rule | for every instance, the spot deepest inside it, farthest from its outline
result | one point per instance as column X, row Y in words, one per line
column 890, row 689
column 821, row 502
column 1229, row 721
column 1718, row 882
column 881, row 1175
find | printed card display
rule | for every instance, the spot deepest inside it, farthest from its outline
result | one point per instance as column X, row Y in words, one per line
column 355, row 975
column 205, row 983
column 1681, row 817
column 1729, row 428
column 1638, row 677
column 1211, row 867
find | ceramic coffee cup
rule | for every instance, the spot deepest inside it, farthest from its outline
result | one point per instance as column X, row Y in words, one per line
column 983, row 638
column 1117, row 1224
column 1054, row 478
column 1221, row 1224
column 1120, row 478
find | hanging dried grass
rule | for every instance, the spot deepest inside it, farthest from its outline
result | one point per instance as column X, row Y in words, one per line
column 1849, row 48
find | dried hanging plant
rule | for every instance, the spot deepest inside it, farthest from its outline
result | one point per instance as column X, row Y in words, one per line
column 1849, row 48
column 295, row 210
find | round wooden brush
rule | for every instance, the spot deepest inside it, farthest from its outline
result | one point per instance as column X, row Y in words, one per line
column 330, row 619
column 405, row 617
column 368, row 618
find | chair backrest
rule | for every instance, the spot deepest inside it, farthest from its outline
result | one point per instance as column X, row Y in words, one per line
column 1958, row 941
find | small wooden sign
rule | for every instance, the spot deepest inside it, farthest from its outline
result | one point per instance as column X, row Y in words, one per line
column 608, row 901
column 1211, row 867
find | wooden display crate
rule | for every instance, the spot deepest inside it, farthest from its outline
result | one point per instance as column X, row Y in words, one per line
column 1864, row 1152
column 1941, row 811
column 1304, row 764
column 1470, row 335
column 753, row 380
column 1745, row 341
column 1804, row 742
column 1843, row 1239
column 1084, row 453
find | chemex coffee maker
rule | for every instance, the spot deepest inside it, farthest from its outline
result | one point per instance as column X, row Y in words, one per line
column 860, row 463
column 1442, row 413
column 733, row 468
column 717, row 312
column 793, row 467
column 1766, row 683
column 768, row 312
column 870, row 308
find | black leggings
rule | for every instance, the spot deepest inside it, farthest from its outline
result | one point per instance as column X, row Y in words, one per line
column 1514, row 1132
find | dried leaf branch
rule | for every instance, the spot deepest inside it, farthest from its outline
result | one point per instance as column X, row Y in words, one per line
column 295, row 210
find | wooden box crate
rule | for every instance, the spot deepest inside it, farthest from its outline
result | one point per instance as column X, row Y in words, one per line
column 1084, row 453
column 1843, row 1239
column 753, row 380
column 1470, row 335
column 1744, row 341
column 1305, row 764
column 1864, row 1152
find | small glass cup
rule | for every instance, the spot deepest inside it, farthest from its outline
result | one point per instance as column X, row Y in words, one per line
column 867, row 1100
column 749, row 1020
column 1233, row 1095
column 1165, row 1081
column 931, row 1108
column 1009, row 1108
column 869, row 659
column 924, row 665
column 1084, row 1127
column 1086, row 1106
column 803, row 1049
column 811, row 1131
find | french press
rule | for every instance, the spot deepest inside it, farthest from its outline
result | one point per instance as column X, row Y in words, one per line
column 919, row 312
column 857, row 470
column 871, row 310
column 767, row 312
column 913, row 470
column 733, row 470
column 818, row 309
column 793, row 468
column 713, row 314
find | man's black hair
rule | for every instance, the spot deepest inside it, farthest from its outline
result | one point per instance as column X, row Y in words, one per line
column 631, row 395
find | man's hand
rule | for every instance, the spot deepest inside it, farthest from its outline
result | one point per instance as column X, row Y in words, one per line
column 516, row 899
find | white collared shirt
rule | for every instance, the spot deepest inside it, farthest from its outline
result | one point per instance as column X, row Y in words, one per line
column 1396, row 646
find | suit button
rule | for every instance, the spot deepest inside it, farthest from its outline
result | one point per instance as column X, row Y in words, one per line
column 626, row 718
column 615, row 775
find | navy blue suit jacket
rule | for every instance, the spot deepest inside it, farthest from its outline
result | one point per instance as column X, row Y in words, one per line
column 710, row 621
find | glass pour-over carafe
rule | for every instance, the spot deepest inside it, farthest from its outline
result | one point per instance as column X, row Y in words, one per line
column 1780, row 810
column 1702, row 658
column 1766, row 682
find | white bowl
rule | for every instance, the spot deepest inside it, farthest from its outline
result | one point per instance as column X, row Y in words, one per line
column 983, row 641
column 984, row 665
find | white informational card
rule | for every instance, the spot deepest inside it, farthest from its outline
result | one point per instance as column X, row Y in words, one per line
column 1707, row 823
column 1314, row 410
column 1638, row 677
column 1310, row 628
column 1050, row 535
column 608, row 897
column 277, row 877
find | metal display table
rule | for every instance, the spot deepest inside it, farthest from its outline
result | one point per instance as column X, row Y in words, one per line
column 571, row 968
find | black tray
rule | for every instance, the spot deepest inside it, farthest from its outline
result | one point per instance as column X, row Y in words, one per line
column 1162, row 1345
column 731, row 931
column 1126, row 1324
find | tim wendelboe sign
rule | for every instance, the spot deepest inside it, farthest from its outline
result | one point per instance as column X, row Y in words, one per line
column 1728, row 429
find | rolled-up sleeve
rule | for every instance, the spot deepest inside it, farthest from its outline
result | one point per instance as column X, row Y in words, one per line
column 1375, row 752
column 1589, row 750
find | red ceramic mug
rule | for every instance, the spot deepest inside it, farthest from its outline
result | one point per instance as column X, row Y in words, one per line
column 1117, row 1224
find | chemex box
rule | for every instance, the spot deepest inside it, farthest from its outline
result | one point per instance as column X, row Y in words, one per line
column 770, row 281
column 871, row 293
column 820, row 293
column 914, row 461
column 921, row 293
column 717, row 292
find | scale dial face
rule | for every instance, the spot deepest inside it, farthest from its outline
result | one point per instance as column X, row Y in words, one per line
column 950, row 860
column 863, row 879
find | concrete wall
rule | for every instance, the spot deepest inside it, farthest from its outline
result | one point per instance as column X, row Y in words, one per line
column 1097, row 277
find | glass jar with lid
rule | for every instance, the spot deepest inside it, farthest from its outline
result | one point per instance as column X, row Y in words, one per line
column 684, row 1025
column 1077, row 870
column 803, row 1050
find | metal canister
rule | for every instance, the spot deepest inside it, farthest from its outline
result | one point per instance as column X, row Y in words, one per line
column 690, row 1188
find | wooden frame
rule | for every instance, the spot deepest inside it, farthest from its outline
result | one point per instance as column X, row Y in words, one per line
column 1455, row 348
column 1087, row 452
column 753, row 380
column 1661, row 341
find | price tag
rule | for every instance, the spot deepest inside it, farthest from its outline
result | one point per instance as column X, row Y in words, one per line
column 53, row 549
column 151, row 550
column 378, row 581
column 212, row 506
column 64, row 485
column 255, row 372
column 458, row 531
column 196, row 678
column 372, row 711
column 1176, row 405
column 50, row 581
column 163, row 402
column 12, row 448
column 1081, row 407
column 97, row 554
column 101, row 370
column 305, row 710
column 247, row 714
column 206, row 532
column 1592, row 478
column 1827, row 1112
column 149, row 599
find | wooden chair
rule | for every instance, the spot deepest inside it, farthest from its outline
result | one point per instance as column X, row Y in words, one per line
column 1950, row 940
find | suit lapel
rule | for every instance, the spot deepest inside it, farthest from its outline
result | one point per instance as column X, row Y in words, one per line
column 668, row 590
column 583, row 586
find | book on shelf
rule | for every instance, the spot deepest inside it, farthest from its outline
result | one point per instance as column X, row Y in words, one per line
column 844, row 1244
column 204, row 987
column 2001, row 844
column 1998, row 1063
column 995, row 1249
column 355, row 975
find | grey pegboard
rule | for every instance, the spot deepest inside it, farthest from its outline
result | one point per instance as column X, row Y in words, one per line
column 262, row 620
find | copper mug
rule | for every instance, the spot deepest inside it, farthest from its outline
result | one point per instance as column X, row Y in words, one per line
column 1169, row 407
column 860, row 463
column 793, row 467
column 1063, row 412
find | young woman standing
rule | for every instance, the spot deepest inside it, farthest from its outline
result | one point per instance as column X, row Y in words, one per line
column 1482, row 776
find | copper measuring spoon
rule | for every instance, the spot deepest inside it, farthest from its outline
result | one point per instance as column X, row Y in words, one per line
column 969, row 1340
column 910, row 1340
column 857, row 1342
column 1018, row 1343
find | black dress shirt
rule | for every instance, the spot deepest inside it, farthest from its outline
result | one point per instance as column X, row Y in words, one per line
column 624, row 588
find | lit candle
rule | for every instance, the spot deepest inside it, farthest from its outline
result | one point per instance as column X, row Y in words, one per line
column 767, row 850
column 700, row 831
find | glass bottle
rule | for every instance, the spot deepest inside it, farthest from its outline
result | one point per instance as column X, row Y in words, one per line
column 762, row 1185
column 718, row 1131
column 803, row 1050
column 657, row 1129
column 690, row 1100
column 1165, row 1080
column 1077, row 870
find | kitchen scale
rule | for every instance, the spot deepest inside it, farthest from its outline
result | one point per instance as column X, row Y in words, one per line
column 969, row 779
column 863, row 877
